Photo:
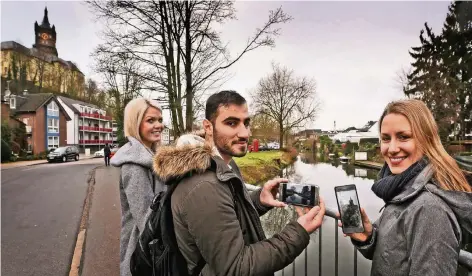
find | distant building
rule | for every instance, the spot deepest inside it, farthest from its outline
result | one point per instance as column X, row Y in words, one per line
column 44, row 118
column 354, row 135
column 40, row 69
column 114, row 132
column 166, row 136
column 7, row 117
column 90, row 127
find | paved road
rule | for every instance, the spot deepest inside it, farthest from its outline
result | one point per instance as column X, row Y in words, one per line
column 41, row 210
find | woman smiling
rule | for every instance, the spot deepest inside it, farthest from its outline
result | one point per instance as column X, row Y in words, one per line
column 428, row 202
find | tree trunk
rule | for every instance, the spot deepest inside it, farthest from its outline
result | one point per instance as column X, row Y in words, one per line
column 167, row 53
column 188, row 70
column 281, row 135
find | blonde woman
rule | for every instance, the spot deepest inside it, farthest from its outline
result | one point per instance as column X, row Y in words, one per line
column 427, row 199
column 138, row 184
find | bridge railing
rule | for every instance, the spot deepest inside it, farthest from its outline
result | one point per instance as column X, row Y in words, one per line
column 465, row 258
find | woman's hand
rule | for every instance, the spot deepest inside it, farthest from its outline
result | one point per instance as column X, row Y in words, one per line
column 361, row 237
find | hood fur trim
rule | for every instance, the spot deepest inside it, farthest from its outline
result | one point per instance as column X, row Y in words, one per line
column 175, row 162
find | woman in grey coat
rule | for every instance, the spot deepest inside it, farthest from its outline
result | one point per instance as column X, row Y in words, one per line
column 428, row 202
column 138, row 184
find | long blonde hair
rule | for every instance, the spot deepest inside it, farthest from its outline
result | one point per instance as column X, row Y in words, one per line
column 425, row 132
column 134, row 113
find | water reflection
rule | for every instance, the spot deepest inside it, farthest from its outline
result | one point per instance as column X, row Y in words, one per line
column 327, row 176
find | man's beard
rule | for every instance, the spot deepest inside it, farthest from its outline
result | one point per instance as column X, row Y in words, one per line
column 224, row 145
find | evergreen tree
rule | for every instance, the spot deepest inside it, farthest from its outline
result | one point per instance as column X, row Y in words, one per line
column 456, row 40
column 442, row 70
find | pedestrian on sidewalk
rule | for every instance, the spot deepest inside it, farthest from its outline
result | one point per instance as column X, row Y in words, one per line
column 215, row 219
column 428, row 201
column 138, row 184
column 107, row 153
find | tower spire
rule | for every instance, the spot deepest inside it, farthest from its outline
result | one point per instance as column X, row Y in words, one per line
column 45, row 22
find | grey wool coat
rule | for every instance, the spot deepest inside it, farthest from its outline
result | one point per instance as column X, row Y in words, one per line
column 420, row 231
column 136, row 193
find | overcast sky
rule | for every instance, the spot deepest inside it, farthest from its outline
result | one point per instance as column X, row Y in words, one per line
column 352, row 49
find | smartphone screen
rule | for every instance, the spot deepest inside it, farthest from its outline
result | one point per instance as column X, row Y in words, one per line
column 349, row 209
column 299, row 194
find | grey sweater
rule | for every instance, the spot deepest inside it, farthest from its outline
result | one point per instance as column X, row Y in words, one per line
column 136, row 194
column 420, row 231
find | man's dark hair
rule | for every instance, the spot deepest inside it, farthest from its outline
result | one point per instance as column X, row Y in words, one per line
column 222, row 98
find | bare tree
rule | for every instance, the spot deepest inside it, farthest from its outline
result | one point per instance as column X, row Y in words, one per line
column 290, row 100
column 264, row 127
column 179, row 51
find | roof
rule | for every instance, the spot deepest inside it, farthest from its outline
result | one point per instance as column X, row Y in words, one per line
column 309, row 132
column 17, row 47
column 31, row 102
column 70, row 103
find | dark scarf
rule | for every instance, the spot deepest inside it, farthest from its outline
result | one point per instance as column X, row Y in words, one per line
column 389, row 185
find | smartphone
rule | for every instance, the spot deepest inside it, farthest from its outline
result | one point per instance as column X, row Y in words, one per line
column 299, row 194
column 349, row 209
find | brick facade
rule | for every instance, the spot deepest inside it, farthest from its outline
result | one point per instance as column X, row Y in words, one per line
column 62, row 129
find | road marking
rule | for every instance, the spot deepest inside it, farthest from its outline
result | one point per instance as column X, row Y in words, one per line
column 75, row 266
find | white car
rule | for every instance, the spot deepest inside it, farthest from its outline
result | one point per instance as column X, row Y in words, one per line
column 100, row 153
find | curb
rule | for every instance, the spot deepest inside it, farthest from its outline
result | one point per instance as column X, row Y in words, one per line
column 76, row 264
column 42, row 163
column 29, row 165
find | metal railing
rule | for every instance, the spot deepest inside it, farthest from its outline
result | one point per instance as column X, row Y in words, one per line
column 465, row 258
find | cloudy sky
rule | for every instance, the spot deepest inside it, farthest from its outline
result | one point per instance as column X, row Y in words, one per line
column 352, row 49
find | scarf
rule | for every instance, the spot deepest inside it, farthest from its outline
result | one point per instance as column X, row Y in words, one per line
column 389, row 185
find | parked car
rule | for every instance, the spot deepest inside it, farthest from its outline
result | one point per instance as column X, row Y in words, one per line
column 100, row 153
column 113, row 151
column 63, row 154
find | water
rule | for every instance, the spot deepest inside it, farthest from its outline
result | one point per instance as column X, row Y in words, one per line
column 327, row 176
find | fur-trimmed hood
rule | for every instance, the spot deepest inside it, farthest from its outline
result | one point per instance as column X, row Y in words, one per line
column 174, row 162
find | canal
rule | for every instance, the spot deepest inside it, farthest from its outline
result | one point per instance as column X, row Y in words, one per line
column 327, row 176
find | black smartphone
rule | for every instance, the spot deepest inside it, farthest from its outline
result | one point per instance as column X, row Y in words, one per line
column 349, row 209
column 299, row 194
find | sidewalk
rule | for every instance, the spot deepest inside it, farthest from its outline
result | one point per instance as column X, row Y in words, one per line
column 101, row 255
column 6, row 166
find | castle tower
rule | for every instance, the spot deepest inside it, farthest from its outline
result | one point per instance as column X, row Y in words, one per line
column 45, row 35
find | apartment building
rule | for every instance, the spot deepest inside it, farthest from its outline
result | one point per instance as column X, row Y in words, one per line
column 90, row 127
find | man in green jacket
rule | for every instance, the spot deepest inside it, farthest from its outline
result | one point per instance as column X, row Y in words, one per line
column 216, row 220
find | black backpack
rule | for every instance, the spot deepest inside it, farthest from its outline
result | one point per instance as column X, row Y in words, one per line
column 156, row 252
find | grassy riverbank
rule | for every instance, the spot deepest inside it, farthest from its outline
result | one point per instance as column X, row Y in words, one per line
column 258, row 167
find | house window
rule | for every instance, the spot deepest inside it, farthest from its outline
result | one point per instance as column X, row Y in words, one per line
column 12, row 102
column 53, row 109
column 53, row 125
column 53, row 142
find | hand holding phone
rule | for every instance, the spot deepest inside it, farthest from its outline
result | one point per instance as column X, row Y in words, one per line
column 349, row 209
column 362, row 237
column 299, row 194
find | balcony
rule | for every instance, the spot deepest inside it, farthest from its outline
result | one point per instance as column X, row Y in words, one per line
column 95, row 116
column 92, row 128
column 95, row 142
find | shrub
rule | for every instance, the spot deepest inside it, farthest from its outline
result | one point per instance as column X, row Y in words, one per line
column 6, row 151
